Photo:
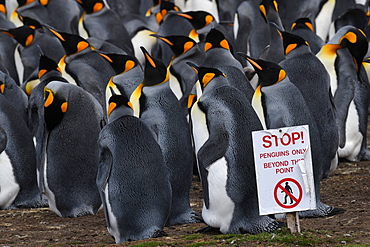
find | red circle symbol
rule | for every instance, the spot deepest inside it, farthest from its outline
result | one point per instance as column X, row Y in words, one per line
column 296, row 200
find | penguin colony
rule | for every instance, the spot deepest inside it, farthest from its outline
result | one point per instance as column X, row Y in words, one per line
column 114, row 104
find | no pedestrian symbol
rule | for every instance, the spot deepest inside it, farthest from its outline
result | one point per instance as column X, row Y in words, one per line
column 284, row 171
column 288, row 193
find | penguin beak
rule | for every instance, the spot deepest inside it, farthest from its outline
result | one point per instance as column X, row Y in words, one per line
column 148, row 58
column 193, row 66
column 2, row 88
column 162, row 38
column 251, row 61
column 57, row 34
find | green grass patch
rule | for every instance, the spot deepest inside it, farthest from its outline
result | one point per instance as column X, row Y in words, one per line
column 193, row 236
column 148, row 244
column 201, row 244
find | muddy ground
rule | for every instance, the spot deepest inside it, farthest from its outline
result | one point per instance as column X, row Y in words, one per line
column 347, row 188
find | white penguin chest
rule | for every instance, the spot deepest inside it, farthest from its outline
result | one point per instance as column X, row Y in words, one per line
column 221, row 207
column 9, row 187
column 199, row 127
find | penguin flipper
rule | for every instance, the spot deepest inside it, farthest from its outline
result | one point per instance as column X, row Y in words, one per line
column 217, row 144
column 105, row 167
column 345, row 92
column 102, row 177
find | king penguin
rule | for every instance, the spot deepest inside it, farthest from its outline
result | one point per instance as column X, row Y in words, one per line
column 103, row 23
column 29, row 38
column 129, row 74
column 279, row 103
column 158, row 107
column 18, row 176
column 82, row 66
column 182, row 80
column 70, row 160
column 304, row 28
column 48, row 71
column 219, row 55
column 222, row 122
column 309, row 75
column 342, row 57
column 133, row 179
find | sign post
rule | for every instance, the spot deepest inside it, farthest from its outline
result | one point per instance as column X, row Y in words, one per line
column 284, row 172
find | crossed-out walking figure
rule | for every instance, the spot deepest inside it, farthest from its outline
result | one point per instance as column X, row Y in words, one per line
column 289, row 189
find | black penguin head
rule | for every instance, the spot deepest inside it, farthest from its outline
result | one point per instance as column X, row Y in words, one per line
column 117, row 101
column 354, row 16
column 165, row 7
column 120, row 63
column 44, row 2
column 356, row 42
column 198, row 19
column 24, row 2
column 292, row 41
column 179, row 44
column 32, row 23
column 47, row 64
column 23, row 34
column 54, row 108
column 205, row 74
column 155, row 72
column 266, row 6
column 216, row 39
column 3, row 7
column 268, row 72
column 72, row 43
column 304, row 23
column 91, row 6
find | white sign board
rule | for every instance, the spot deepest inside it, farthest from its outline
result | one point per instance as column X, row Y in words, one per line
column 284, row 170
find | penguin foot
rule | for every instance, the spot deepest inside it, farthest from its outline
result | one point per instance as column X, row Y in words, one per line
column 33, row 203
column 322, row 210
column 254, row 226
column 158, row 234
column 364, row 155
column 208, row 229
column 185, row 218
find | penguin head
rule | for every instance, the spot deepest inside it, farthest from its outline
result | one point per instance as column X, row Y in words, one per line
column 47, row 64
column 44, row 2
column 205, row 74
column 55, row 107
column 32, row 23
column 292, row 41
column 23, row 34
column 155, row 72
column 24, row 2
column 179, row 44
column 119, row 105
column 120, row 63
column 266, row 6
column 198, row 19
column 91, row 6
column 269, row 73
column 165, row 7
column 304, row 23
column 3, row 7
column 216, row 39
column 354, row 40
column 72, row 43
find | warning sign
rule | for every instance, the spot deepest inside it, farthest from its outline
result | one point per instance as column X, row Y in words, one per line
column 284, row 170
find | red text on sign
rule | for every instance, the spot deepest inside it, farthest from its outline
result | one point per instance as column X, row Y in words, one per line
column 285, row 140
